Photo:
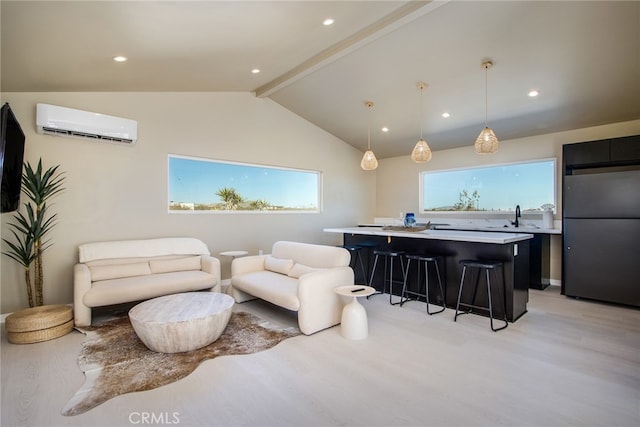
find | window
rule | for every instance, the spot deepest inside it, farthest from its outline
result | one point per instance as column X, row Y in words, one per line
column 203, row 185
column 493, row 188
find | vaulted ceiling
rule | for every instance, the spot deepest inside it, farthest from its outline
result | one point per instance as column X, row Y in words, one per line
column 582, row 57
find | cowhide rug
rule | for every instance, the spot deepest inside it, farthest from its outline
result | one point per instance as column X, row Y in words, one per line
column 115, row 361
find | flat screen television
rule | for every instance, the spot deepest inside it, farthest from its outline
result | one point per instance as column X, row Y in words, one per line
column 11, row 158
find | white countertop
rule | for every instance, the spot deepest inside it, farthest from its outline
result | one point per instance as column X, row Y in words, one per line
column 489, row 225
column 455, row 235
column 501, row 229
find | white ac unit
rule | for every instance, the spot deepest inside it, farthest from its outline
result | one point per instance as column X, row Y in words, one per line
column 62, row 121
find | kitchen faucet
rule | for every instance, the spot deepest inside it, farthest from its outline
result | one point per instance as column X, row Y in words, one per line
column 518, row 215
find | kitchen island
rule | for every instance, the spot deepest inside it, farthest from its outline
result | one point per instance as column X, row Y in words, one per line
column 454, row 245
column 539, row 247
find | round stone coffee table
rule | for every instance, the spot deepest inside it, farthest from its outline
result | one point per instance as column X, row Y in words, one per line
column 181, row 322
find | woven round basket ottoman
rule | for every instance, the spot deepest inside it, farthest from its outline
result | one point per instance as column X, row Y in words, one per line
column 38, row 324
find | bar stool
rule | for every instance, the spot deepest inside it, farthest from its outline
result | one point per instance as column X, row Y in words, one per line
column 486, row 266
column 356, row 257
column 389, row 257
column 435, row 259
column 368, row 246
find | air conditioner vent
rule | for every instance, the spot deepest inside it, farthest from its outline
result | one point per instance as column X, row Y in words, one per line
column 62, row 121
column 54, row 131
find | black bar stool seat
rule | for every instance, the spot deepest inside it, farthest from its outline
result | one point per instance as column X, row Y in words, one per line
column 486, row 266
column 406, row 293
column 389, row 256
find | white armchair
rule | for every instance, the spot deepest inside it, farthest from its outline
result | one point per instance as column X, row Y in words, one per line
column 299, row 277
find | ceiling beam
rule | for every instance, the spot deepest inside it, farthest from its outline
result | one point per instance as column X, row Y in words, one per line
column 401, row 16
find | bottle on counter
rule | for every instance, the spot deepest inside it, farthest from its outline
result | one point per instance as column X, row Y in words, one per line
column 409, row 220
column 547, row 219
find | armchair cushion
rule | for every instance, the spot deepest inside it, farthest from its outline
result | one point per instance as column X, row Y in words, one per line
column 299, row 269
column 277, row 265
column 276, row 288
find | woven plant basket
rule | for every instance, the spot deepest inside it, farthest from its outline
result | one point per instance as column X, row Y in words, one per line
column 38, row 324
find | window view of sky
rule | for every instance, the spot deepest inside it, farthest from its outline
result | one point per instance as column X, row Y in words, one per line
column 197, row 181
column 500, row 187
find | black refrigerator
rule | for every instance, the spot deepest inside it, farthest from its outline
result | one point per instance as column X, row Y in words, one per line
column 601, row 232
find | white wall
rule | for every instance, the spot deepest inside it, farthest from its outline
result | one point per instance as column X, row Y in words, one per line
column 117, row 192
column 397, row 179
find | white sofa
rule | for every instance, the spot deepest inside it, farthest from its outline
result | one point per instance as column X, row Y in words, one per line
column 297, row 276
column 118, row 272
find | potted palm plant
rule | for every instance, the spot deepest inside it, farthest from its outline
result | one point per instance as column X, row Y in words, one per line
column 31, row 227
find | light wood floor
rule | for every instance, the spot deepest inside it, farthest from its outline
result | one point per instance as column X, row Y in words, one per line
column 566, row 362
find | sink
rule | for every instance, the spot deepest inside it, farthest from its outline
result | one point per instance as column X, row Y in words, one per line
column 510, row 227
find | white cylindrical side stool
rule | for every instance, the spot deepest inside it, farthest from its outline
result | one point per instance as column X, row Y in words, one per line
column 354, row 324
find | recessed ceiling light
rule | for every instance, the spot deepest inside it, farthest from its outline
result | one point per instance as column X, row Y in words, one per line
column 119, row 58
column 533, row 93
column 328, row 21
column 385, row 129
column 445, row 115
column 255, row 70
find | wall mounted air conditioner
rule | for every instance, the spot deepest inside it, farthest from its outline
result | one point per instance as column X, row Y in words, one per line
column 62, row 121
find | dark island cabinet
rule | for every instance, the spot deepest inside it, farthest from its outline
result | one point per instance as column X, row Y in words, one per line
column 515, row 274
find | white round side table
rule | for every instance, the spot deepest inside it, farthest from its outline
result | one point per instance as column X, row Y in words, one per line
column 354, row 324
column 234, row 254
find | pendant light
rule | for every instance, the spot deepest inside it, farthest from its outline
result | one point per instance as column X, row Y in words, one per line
column 369, row 161
column 421, row 152
column 487, row 142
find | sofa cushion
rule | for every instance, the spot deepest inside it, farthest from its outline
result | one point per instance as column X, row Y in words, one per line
column 142, row 248
column 278, row 265
column 299, row 269
column 177, row 264
column 107, row 272
column 117, row 291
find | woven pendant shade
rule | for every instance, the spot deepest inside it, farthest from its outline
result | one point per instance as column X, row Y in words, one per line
column 369, row 161
column 487, row 142
column 421, row 152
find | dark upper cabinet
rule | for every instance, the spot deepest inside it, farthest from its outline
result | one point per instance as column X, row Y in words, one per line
column 625, row 149
column 586, row 153
column 606, row 152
